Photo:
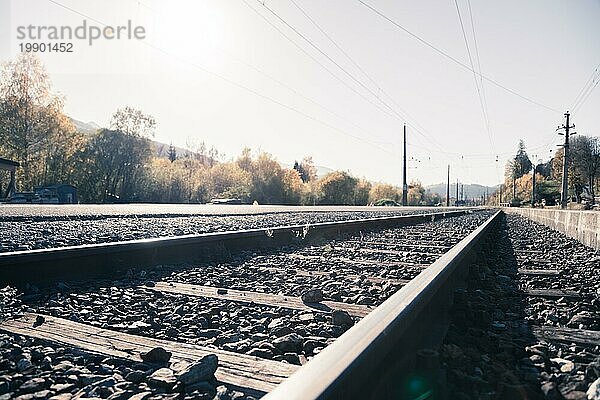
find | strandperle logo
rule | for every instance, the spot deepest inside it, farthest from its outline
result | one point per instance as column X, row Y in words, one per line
column 85, row 31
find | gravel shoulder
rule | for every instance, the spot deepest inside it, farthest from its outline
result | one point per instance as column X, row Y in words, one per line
column 491, row 350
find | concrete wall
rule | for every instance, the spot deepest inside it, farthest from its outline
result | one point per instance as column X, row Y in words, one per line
column 581, row 225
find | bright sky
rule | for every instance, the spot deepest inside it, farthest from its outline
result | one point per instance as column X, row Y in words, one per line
column 217, row 71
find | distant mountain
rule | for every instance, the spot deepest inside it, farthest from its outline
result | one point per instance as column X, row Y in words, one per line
column 470, row 190
column 322, row 171
column 85, row 127
column 160, row 149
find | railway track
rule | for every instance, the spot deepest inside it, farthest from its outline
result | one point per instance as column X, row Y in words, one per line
column 335, row 310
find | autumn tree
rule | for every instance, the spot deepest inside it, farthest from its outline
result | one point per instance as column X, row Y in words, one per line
column 244, row 161
column 116, row 158
column 383, row 191
column 432, row 198
column 361, row 192
column 267, row 180
column 585, row 160
column 293, row 187
column 517, row 167
column 416, row 194
column 337, row 187
column 584, row 164
column 306, row 169
column 132, row 122
column 228, row 180
column 33, row 128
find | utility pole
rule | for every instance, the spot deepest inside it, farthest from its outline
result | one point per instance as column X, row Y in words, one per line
column 448, row 189
column 533, row 186
column 564, row 194
column 457, row 192
column 404, row 184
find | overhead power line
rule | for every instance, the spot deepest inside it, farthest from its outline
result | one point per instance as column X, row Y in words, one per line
column 483, row 109
column 453, row 59
column 482, row 86
column 379, row 107
column 283, row 84
column 236, row 84
column 413, row 124
column 317, row 48
column 586, row 90
column 337, row 46
column 402, row 118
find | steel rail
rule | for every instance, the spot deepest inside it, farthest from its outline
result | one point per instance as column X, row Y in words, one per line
column 373, row 359
column 94, row 260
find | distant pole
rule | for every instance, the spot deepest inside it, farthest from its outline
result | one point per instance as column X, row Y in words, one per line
column 533, row 186
column 404, row 185
column 448, row 189
column 457, row 190
column 564, row 194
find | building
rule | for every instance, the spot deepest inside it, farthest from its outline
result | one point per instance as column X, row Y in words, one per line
column 59, row 194
column 11, row 167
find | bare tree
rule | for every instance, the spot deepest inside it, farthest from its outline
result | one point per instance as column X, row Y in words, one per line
column 585, row 153
column 133, row 122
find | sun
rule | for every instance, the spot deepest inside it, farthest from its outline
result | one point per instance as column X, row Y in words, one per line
column 187, row 27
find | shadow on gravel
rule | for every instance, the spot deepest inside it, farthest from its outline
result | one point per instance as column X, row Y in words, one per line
column 485, row 347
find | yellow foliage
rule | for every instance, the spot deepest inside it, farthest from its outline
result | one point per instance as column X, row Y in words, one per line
column 381, row 191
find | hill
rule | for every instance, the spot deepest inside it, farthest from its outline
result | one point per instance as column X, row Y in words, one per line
column 160, row 149
column 85, row 127
column 470, row 189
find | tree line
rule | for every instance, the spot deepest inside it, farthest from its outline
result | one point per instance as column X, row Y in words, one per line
column 119, row 163
column 583, row 174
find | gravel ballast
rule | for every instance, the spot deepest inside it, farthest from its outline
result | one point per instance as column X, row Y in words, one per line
column 294, row 336
column 28, row 232
column 491, row 351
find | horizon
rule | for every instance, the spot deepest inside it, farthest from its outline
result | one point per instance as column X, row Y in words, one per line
column 318, row 167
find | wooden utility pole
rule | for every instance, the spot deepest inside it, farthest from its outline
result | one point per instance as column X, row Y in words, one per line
column 456, row 192
column 564, row 194
column 404, row 184
column 533, row 186
column 448, row 189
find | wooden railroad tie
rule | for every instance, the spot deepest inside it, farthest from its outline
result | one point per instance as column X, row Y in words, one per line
column 391, row 252
column 552, row 293
column 357, row 261
column 567, row 335
column 273, row 300
column 525, row 251
column 539, row 272
column 522, row 258
column 398, row 244
column 239, row 370
column 303, row 272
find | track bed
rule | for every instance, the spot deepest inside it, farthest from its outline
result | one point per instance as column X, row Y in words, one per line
column 246, row 307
